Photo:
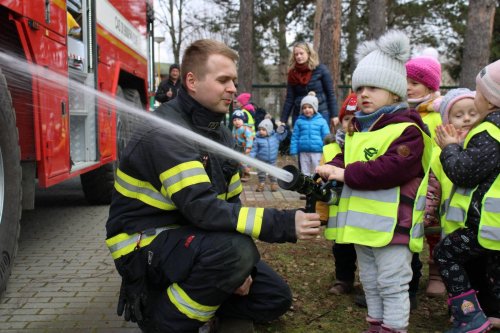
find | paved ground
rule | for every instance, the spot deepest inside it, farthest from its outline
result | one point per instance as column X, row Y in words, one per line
column 64, row 279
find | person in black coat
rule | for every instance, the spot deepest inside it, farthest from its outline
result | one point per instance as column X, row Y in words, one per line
column 306, row 74
column 168, row 88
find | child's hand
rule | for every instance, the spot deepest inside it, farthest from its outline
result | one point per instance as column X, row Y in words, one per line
column 247, row 151
column 330, row 172
column 446, row 135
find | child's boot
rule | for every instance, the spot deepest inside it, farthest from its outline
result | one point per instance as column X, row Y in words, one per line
column 435, row 287
column 274, row 187
column 387, row 329
column 467, row 314
column 260, row 187
column 374, row 325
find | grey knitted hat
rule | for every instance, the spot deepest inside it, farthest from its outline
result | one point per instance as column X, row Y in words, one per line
column 267, row 125
column 381, row 63
column 310, row 99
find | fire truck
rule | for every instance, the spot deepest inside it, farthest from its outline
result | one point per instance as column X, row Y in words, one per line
column 51, row 133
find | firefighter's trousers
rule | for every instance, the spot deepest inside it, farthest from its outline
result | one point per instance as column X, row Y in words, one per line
column 192, row 276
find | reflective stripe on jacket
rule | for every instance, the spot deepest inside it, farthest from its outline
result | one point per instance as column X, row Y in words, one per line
column 370, row 217
column 489, row 225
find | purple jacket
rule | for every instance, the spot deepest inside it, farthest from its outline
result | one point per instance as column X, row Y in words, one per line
column 401, row 165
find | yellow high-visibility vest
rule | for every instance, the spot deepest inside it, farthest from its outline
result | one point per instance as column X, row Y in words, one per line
column 432, row 120
column 370, row 217
column 489, row 225
column 329, row 152
column 446, row 188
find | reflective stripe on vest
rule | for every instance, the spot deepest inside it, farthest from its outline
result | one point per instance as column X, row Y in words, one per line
column 189, row 307
column 489, row 224
column 183, row 175
column 141, row 190
column 370, row 217
column 250, row 221
column 123, row 244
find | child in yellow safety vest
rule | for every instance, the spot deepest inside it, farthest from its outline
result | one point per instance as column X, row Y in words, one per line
column 475, row 200
column 383, row 168
column 343, row 254
column 423, row 74
column 456, row 108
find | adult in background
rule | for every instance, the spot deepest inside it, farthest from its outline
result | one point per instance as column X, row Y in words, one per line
column 306, row 74
column 169, row 86
column 180, row 236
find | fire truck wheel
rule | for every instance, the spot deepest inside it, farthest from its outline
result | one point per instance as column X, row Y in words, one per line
column 10, row 184
column 98, row 184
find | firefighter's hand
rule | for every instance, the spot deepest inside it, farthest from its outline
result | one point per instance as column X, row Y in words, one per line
column 132, row 300
column 330, row 172
column 306, row 225
column 244, row 289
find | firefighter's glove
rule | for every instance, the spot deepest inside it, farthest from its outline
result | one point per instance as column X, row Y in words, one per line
column 132, row 300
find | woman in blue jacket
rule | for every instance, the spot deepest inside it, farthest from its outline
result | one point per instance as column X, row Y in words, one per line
column 308, row 133
column 306, row 74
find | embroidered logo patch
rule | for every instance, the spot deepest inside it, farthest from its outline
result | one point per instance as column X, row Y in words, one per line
column 403, row 150
column 370, row 152
column 467, row 307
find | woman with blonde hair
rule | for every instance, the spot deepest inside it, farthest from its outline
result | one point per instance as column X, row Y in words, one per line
column 306, row 74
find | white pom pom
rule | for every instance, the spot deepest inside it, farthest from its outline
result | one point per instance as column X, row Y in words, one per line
column 364, row 49
column 395, row 44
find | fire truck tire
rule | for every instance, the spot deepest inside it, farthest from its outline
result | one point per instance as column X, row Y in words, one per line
column 98, row 184
column 10, row 184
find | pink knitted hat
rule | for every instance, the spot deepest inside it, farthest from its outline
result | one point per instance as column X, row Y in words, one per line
column 244, row 98
column 426, row 70
column 488, row 83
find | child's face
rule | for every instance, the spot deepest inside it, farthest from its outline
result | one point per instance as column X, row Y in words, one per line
column 370, row 99
column 345, row 121
column 262, row 131
column 307, row 110
column 483, row 107
column 416, row 89
column 237, row 122
column 463, row 115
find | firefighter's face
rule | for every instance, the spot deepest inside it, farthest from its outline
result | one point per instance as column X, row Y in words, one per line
column 216, row 89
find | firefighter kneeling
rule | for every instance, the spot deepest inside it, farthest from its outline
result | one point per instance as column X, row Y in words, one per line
column 179, row 235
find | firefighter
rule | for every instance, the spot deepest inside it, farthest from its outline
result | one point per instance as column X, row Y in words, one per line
column 177, row 230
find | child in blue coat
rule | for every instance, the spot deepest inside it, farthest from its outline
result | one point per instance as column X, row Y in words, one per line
column 265, row 148
column 308, row 133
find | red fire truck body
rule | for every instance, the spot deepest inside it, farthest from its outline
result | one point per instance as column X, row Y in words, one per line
column 52, row 132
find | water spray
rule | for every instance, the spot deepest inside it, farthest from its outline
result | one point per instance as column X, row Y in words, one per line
column 50, row 77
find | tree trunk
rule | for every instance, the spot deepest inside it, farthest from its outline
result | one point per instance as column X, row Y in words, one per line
column 352, row 42
column 329, row 49
column 377, row 19
column 317, row 24
column 245, row 68
column 283, row 48
column 477, row 40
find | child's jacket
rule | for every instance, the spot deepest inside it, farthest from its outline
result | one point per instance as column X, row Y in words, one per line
column 243, row 136
column 265, row 148
column 385, row 166
column 308, row 134
column 475, row 170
